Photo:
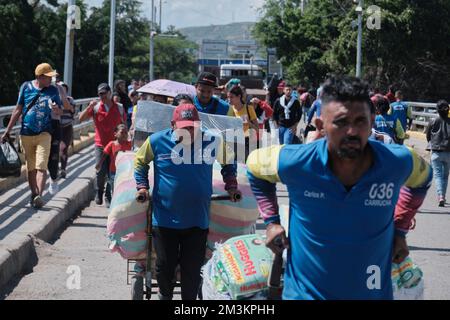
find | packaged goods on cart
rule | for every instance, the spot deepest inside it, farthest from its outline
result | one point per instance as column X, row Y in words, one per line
column 238, row 269
column 407, row 281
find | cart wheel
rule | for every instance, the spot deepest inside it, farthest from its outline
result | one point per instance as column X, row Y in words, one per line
column 137, row 288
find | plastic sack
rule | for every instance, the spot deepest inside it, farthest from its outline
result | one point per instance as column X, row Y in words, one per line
column 10, row 164
column 243, row 264
column 153, row 117
column 127, row 219
column 213, row 287
column 407, row 281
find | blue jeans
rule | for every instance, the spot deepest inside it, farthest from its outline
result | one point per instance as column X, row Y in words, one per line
column 285, row 135
column 440, row 161
column 103, row 174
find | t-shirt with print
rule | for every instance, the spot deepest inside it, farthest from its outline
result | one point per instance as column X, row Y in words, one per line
column 112, row 149
column 38, row 118
column 244, row 115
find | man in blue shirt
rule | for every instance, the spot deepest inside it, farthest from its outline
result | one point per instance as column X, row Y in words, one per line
column 183, row 160
column 349, row 211
column 205, row 101
column 400, row 110
column 38, row 99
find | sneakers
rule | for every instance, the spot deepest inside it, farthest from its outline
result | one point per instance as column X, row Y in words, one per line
column 54, row 188
column 99, row 198
column 107, row 202
column 37, row 202
column 63, row 174
column 441, row 201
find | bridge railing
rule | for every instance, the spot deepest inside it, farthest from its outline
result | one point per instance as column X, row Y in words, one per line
column 422, row 113
column 79, row 129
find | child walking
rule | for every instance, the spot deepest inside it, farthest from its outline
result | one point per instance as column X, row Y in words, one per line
column 121, row 143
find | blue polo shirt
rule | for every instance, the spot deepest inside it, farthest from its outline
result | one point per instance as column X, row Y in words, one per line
column 215, row 106
column 182, row 182
column 340, row 241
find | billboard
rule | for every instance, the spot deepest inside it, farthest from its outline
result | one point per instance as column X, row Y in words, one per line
column 215, row 48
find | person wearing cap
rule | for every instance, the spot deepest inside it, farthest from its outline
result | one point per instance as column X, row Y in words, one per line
column 107, row 115
column 38, row 99
column 287, row 113
column 183, row 158
column 205, row 101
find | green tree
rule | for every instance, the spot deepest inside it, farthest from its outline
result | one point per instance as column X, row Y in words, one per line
column 410, row 51
column 34, row 32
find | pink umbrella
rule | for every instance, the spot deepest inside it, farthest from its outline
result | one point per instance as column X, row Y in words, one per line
column 167, row 88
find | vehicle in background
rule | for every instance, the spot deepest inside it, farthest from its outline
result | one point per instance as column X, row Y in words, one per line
column 251, row 75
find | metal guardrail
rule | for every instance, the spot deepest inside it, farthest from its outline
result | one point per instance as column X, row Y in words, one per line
column 423, row 113
column 79, row 129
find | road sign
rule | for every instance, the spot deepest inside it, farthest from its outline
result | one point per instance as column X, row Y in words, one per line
column 215, row 48
column 243, row 47
column 243, row 50
column 237, row 43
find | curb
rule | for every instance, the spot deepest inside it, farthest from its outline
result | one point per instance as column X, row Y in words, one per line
column 20, row 256
column 417, row 135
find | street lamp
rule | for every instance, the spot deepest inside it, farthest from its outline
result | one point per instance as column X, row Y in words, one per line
column 112, row 34
column 70, row 38
column 359, row 11
column 280, row 62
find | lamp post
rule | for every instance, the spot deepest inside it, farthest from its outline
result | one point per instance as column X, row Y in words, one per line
column 70, row 38
column 152, row 34
column 359, row 10
column 112, row 34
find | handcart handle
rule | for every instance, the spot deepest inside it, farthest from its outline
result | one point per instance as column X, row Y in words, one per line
column 223, row 197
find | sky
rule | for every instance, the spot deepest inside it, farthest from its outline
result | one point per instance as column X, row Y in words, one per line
column 190, row 13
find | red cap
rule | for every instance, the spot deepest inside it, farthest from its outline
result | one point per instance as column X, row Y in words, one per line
column 186, row 115
column 281, row 85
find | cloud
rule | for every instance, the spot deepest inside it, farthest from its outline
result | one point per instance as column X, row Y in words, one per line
column 187, row 13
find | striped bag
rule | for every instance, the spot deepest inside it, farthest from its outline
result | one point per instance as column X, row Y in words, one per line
column 126, row 227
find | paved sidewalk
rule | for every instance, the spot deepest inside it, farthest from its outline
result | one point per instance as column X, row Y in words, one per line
column 20, row 224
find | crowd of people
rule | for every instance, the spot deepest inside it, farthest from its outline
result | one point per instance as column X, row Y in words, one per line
column 342, row 193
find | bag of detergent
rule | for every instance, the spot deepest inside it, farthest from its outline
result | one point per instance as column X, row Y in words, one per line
column 407, row 281
column 242, row 265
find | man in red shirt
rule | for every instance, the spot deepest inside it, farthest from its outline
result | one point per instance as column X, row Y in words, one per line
column 107, row 115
